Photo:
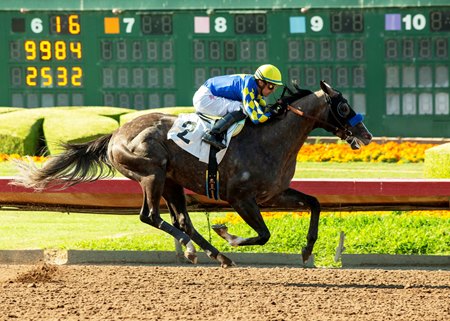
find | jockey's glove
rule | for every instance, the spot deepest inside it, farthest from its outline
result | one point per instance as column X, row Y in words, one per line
column 278, row 108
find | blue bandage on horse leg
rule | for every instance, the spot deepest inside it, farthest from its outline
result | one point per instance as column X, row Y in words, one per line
column 356, row 120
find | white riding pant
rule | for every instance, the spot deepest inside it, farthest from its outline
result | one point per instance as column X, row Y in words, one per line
column 206, row 103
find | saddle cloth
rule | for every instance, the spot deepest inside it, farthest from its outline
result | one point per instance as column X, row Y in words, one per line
column 187, row 132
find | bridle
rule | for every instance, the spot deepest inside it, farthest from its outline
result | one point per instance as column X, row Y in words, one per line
column 337, row 127
column 341, row 131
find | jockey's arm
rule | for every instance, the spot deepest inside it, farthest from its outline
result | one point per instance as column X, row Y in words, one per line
column 254, row 107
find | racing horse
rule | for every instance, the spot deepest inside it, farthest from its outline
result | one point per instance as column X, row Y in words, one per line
column 255, row 171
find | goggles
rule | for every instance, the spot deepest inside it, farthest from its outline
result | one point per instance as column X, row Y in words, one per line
column 271, row 86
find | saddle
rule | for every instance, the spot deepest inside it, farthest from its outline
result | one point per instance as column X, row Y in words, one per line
column 187, row 132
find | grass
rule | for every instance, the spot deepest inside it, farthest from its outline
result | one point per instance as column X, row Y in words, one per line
column 359, row 170
column 384, row 232
column 54, row 230
column 7, row 169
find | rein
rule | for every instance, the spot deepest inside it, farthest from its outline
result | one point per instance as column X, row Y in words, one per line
column 332, row 128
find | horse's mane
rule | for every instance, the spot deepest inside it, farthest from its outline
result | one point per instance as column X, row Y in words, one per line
column 294, row 95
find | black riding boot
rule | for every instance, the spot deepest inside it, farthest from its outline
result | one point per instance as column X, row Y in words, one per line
column 215, row 137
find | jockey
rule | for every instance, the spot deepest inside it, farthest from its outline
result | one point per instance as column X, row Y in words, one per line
column 235, row 97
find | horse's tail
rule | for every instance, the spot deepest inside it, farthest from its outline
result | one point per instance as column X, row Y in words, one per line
column 79, row 162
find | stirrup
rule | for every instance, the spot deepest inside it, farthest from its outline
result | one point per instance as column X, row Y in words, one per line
column 210, row 139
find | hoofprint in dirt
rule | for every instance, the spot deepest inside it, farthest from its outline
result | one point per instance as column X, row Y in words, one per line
column 75, row 292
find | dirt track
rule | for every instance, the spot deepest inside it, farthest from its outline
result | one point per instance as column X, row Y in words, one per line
column 48, row 292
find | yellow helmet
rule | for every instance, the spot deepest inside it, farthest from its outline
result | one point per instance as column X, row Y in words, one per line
column 269, row 73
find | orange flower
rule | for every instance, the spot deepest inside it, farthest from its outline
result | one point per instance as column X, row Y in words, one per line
column 390, row 152
column 36, row 159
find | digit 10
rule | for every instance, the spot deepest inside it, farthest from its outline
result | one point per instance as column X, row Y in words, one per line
column 418, row 21
column 316, row 23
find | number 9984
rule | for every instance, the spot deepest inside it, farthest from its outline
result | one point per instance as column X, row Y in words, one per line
column 46, row 50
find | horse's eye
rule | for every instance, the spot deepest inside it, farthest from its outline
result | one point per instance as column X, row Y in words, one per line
column 343, row 110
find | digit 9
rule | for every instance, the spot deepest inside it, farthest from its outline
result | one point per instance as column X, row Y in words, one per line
column 30, row 50
column 316, row 23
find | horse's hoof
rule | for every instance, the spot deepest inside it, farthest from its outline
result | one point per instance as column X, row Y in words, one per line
column 308, row 259
column 191, row 256
column 224, row 261
column 226, row 266
column 305, row 255
column 219, row 227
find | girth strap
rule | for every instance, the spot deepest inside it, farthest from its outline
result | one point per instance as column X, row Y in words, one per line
column 212, row 175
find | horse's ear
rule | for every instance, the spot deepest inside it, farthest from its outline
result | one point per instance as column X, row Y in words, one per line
column 328, row 89
column 325, row 87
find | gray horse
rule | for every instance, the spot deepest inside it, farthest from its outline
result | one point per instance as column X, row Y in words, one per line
column 256, row 170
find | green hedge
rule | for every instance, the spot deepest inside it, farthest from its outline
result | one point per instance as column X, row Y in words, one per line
column 75, row 126
column 437, row 162
column 26, row 131
column 20, row 132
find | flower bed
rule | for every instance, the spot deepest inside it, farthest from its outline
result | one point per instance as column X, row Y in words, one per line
column 391, row 152
column 36, row 159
